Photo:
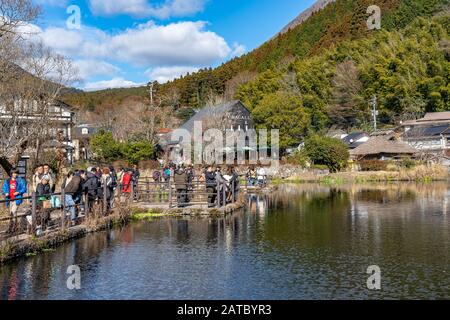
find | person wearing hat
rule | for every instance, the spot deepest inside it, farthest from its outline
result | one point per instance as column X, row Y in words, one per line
column 13, row 190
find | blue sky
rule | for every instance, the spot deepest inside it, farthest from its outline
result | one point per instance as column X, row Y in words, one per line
column 130, row 42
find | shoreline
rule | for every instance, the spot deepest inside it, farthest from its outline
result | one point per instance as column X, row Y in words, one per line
column 25, row 246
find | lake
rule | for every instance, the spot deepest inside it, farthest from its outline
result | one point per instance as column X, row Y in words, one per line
column 301, row 242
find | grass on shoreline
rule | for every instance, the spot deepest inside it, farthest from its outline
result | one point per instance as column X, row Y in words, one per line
column 419, row 174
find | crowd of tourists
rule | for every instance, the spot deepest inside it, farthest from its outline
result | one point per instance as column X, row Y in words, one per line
column 81, row 189
column 222, row 186
column 94, row 184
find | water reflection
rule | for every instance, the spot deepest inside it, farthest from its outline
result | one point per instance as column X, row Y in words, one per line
column 307, row 241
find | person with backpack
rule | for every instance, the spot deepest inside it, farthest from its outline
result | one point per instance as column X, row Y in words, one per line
column 91, row 187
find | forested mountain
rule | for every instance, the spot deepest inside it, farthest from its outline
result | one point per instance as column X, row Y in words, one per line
column 325, row 70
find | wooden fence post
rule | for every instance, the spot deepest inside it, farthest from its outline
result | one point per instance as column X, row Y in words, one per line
column 86, row 205
column 224, row 193
column 147, row 182
column 170, row 193
column 233, row 195
column 218, row 194
column 63, row 213
column 33, row 212
column 105, row 199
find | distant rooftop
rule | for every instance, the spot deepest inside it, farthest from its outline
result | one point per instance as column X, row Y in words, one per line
column 431, row 117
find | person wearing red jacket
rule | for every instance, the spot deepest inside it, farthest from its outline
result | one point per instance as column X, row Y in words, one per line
column 126, row 182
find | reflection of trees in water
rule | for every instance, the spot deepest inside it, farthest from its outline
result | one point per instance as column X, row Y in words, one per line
column 376, row 220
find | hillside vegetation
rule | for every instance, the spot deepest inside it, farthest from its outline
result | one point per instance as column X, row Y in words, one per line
column 325, row 71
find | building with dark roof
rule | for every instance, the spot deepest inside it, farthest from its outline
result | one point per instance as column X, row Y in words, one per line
column 232, row 115
column 430, row 134
column 355, row 139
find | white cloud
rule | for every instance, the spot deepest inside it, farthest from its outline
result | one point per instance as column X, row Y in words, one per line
column 90, row 68
column 110, row 84
column 183, row 43
column 145, row 8
column 164, row 74
column 53, row 3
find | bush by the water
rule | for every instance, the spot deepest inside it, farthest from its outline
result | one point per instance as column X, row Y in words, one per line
column 373, row 165
column 325, row 151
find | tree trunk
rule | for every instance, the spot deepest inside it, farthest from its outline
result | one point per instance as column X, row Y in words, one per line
column 6, row 165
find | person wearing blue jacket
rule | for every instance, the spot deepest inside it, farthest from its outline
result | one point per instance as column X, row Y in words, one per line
column 13, row 190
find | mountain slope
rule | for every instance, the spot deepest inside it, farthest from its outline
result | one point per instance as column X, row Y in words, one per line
column 305, row 15
column 337, row 22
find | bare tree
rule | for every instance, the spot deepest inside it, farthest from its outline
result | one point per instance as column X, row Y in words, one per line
column 16, row 13
column 31, row 82
column 346, row 105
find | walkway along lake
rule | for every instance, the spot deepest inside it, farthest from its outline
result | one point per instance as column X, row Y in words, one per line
column 300, row 242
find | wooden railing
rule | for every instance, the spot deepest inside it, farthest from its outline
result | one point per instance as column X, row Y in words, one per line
column 34, row 216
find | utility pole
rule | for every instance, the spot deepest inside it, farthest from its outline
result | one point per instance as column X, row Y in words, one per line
column 374, row 111
column 151, row 84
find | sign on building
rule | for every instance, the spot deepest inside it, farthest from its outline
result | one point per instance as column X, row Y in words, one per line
column 22, row 167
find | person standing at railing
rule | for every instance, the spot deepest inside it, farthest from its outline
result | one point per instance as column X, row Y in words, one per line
column 106, row 182
column 223, row 186
column 50, row 177
column 71, row 186
column 190, row 176
column 37, row 177
column 261, row 177
column 114, row 184
column 13, row 190
column 135, row 178
column 211, row 186
column 43, row 193
column 91, row 186
column 180, row 180
column 166, row 174
column 252, row 177
column 126, row 182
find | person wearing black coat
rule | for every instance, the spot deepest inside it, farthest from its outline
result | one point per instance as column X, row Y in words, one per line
column 211, row 186
column 91, row 187
column 180, row 180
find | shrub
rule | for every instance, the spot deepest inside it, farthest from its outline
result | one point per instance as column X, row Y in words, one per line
column 137, row 151
column 107, row 149
column 408, row 163
column 326, row 151
column 373, row 165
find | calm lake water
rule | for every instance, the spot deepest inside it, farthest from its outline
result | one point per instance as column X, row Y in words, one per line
column 301, row 242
